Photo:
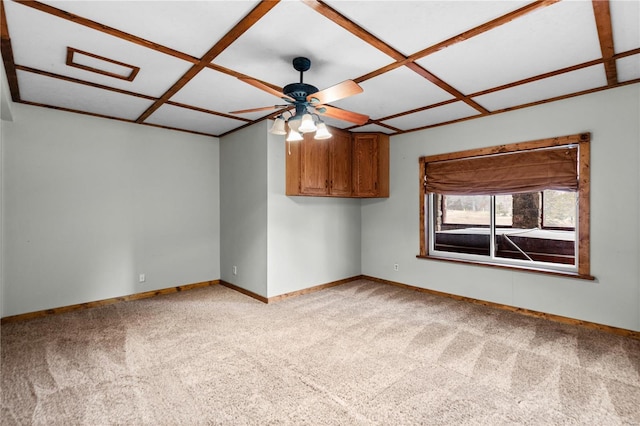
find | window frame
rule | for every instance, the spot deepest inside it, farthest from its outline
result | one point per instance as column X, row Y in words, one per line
column 583, row 262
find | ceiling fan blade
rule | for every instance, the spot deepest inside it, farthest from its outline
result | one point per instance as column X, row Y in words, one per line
column 342, row 114
column 260, row 85
column 339, row 91
column 245, row 111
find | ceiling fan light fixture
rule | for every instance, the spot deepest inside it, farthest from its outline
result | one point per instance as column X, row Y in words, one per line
column 307, row 125
column 322, row 132
column 278, row 127
column 294, row 123
column 294, row 136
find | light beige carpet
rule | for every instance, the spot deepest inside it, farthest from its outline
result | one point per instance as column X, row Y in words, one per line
column 358, row 354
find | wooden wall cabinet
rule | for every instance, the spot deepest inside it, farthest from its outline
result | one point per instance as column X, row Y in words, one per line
column 370, row 165
column 344, row 166
column 320, row 167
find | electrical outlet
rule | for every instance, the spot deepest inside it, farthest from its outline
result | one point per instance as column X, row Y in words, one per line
column 395, row 266
column 235, row 270
column 142, row 278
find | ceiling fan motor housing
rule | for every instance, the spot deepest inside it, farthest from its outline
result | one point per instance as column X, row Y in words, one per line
column 299, row 91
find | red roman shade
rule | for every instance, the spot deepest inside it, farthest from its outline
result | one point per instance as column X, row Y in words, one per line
column 509, row 173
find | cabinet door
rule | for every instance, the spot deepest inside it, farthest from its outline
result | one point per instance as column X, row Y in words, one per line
column 340, row 164
column 365, row 165
column 314, row 166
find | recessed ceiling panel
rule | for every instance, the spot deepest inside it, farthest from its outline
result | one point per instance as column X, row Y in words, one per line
column 628, row 68
column 40, row 41
column 60, row 93
column 549, row 39
column 410, row 26
column 190, row 27
column 393, row 92
column 195, row 121
column 220, row 92
column 293, row 29
column 433, row 116
column 563, row 84
column 625, row 19
column 94, row 63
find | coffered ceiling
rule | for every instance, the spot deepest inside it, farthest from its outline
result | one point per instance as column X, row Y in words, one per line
column 183, row 64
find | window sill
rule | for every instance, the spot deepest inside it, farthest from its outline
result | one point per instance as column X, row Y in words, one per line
column 513, row 268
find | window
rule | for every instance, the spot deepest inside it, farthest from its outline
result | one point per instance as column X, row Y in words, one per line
column 523, row 205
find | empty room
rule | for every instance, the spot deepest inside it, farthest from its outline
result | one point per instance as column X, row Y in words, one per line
column 320, row 212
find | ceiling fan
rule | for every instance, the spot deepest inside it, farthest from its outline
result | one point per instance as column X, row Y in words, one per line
column 308, row 101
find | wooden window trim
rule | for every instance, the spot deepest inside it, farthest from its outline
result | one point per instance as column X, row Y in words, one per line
column 584, row 193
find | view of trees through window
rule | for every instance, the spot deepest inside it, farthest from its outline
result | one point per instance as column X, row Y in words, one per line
column 558, row 209
column 475, row 210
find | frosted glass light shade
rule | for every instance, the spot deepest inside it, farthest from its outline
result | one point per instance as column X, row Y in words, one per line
column 294, row 136
column 307, row 124
column 294, row 124
column 278, row 127
column 322, row 132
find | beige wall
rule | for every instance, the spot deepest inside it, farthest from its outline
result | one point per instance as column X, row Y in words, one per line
column 312, row 240
column 88, row 204
column 243, row 208
column 91, row 203
column 279, row 244
column 390, row 228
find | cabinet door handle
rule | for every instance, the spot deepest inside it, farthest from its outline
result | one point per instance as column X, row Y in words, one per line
column 326, row 183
